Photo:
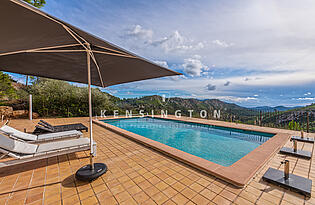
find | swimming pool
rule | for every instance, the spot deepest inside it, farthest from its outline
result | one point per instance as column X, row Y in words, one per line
column 220, row 145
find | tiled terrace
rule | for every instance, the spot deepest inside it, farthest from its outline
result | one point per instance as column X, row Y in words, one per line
column 138, row 175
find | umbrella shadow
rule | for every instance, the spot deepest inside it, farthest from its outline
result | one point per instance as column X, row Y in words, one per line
column 24, row 167
column 71, row 182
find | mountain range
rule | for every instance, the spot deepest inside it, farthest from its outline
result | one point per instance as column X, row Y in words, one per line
column 272, row 109
column 53, row 98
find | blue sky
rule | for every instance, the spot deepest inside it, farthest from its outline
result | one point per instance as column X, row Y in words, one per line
column 248, row 52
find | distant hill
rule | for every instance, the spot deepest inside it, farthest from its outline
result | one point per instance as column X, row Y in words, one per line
column 155, row 102
column 272, row 109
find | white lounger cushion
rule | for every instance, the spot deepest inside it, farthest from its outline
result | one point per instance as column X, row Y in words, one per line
column 12, row 145
column 29, row 137
column 15, row 146
column 17, row 133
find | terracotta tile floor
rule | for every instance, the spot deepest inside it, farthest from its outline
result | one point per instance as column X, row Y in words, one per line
column 138, row 175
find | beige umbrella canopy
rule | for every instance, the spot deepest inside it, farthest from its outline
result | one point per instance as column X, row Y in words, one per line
column 35, row 43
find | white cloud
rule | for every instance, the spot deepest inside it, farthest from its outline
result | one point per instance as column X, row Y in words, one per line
column 177, row 42
column 193, row 66
column 177, row 77
column 138, row 32
column 276, row 79
column 221, row 43
column 144, row 38
column 161, row 63
column 308, row 98
column 237, row 99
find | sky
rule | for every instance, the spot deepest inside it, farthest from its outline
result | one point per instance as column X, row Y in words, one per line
column 248, row 52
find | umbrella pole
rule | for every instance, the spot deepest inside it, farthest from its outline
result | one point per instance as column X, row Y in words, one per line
column 91, row 171
column 90, row 108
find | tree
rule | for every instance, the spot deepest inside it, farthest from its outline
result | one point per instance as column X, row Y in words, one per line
column 6, row 88
column 36, row 3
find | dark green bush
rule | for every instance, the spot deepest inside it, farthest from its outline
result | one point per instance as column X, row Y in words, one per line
column 60, row 98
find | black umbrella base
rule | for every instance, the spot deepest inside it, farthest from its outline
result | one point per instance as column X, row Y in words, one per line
column 87, row 174
column 298, row 153
column 294, row 183
column 305, row 139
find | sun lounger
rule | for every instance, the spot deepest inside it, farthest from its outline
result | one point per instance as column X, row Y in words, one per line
column 39, row 138
column 26, row 152
column 45, row 127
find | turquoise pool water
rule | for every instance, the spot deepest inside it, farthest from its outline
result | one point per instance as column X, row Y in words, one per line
column 220, row 145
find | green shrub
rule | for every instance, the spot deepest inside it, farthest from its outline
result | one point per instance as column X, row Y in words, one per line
column 294, row 125
column 60, row 98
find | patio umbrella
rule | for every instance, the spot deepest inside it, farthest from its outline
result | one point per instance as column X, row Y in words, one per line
column 35, row 43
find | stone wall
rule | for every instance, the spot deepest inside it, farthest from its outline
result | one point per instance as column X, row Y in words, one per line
column 23, row 114
column 8, row 112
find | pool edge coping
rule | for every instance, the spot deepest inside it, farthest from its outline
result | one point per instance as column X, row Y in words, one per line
column 238, row 174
